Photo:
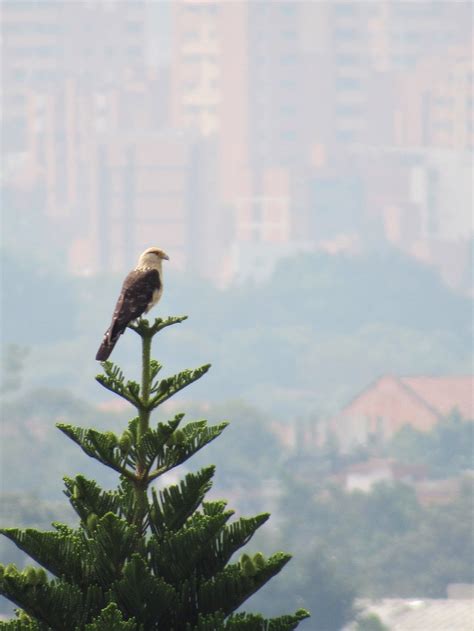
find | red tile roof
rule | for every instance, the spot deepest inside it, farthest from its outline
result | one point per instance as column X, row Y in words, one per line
column 390, row 402
column 443, row 394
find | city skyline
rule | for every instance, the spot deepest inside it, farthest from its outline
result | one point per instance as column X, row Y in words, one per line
column 239, row 133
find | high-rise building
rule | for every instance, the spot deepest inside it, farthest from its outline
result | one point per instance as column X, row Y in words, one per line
column 86, row 142
column 269, row 106
column 42, row 41
column 361, row 48
column 46, row 45
column 60, row 64
column 240, row 73
column 64, row 128
column 143, row 188
column 285, row 84
column 435, row 102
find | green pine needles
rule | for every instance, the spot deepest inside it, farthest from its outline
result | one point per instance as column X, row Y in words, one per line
column 142, row 559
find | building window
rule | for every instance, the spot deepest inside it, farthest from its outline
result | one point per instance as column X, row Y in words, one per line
column 134, row 27
column 348, row 109
column 287, row 110
column 288, row 135
column 191, row 36
column 444, row 101
column 134, row 51
column 443, row 126
column 347, row 83
column 347, row 8
column 347, row 34
column 347, row 135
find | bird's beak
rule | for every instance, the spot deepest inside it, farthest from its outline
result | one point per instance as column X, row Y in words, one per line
column 165, row 256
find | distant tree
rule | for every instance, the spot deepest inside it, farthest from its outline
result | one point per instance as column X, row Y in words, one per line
column 328, row 590
column 317, row 583
column 35, row 286
column 26, row 510
column 341, row 292
column 424, row 559
column 13, row 361
column 29, row 413
column 385, row 540
column 248, row 439
column 446, row 450
column 317, row 316
column 141, row 561
column 370, row 622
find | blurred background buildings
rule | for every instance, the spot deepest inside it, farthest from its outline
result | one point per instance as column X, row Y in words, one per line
column 336, row 135
column 235, row 133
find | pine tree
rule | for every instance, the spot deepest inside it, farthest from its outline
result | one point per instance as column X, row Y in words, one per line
column 142, row 559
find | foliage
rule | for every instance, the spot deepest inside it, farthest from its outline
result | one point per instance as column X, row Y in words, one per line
column 28, row 414
column 423, row 561
column 371, row 622
column 13, row 359
column 388, row 287
column 26, row 510
column 446, row 450
column 318, row 315
column 139, row 562
column 389, row 544
column 317, row 583
column 26, row 283
column 249, row 438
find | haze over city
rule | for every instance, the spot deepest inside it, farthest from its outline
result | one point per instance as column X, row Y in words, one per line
column 238, row 133
column 307, row 167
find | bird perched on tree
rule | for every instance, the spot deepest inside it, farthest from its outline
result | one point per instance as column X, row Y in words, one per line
column 141, row 290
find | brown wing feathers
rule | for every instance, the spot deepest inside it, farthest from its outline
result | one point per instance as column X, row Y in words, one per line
column 137, row 293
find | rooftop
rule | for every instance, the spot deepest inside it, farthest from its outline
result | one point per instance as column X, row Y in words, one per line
column 428, row 614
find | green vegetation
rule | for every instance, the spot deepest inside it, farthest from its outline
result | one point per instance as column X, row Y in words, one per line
column 384, row 542
column 446, row 450
column 379, row 544
column 316, row 578
column 298, row 345
column 28, row 510
column 371, row 622
column 143, row 558
column 41, row 302
column 301, row 342
column 29, row 415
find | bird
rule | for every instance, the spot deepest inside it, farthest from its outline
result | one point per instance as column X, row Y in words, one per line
column 141, row 290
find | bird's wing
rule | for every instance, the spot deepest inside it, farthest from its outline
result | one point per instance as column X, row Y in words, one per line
column 137, row 293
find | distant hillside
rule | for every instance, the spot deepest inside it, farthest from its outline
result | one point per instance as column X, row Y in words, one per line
column 304, row 341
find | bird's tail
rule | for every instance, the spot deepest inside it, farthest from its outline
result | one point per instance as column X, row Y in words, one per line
column 106, row 347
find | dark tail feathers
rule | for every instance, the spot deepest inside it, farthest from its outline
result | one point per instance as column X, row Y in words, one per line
column 106, row 347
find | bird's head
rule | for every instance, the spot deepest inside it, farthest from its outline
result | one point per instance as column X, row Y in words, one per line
column 152, row 257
